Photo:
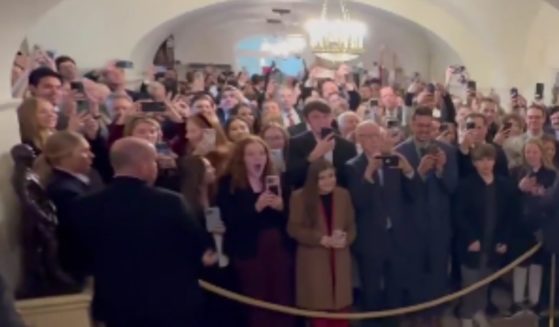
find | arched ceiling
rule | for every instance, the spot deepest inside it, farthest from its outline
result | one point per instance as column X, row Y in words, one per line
column 480, row 31
column 423, row 13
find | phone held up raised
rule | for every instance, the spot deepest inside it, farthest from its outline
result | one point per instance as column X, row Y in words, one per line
column 77, row 86
column 390, row 161
column 153, row 107
column 514, row 93
column 325, row 132
column 539, row 91
column 472, row 86
column 124, row 64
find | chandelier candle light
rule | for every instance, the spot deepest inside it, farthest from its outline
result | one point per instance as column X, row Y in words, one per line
column 336, row 40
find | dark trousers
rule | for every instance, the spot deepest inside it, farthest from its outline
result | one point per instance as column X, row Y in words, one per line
column 382, row 286
column 268, row 276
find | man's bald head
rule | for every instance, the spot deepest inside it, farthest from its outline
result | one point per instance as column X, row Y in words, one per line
column 132, row 156
column 367, row 126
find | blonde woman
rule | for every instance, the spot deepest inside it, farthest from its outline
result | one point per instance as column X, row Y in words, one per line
column 534, row 177
column 37, row 121
column 149, row 129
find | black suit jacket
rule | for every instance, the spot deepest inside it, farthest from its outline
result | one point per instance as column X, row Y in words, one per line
column 378, row 205
column 297, row 130
column 144, row 250
column 470, row 217
column 300, row 147
column 64, row 189
column 244, row 224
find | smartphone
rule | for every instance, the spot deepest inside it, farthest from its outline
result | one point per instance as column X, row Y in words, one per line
column 325, row 132
column 539, row 91
column 472, row 86
column 77, row 86
column 51, row 54
column 124, row 64
column 163, row 149
column 470, row 125
column 507, row 126
column 432, row 149
column 431, row 88
column 392, row 124
column 456, row 69
column 390, row 161
column 273, row 184
column 514, row 93
column 213, row 219
column 153, row 107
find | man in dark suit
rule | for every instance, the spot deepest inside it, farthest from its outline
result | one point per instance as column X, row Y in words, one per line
column 319, row 142
column 141, row 245
column 385, row 247
column 436, row 165
column 63, row 189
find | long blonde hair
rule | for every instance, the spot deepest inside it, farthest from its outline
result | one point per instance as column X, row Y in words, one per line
column 545, row 160
column 29, row 129
column 58, row 146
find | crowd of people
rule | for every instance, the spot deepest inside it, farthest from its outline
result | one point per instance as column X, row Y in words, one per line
column 330, row 194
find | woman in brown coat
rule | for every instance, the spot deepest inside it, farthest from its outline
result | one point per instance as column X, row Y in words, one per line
column 321, row 220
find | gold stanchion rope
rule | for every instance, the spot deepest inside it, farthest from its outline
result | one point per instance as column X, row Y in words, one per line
column 367, row 315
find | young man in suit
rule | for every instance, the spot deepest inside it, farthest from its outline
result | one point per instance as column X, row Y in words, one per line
column 320, row 141
column 141, row 245
column 436, row 165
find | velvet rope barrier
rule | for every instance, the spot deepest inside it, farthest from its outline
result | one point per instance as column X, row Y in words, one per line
column 367, row 315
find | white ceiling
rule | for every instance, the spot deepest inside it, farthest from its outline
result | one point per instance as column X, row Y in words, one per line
column 256, row 13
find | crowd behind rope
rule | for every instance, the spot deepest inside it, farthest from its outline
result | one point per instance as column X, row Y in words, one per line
column 327, row 194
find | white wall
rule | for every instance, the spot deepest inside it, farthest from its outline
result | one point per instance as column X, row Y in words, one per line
column 16, row 16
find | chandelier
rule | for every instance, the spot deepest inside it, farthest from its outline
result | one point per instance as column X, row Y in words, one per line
column 336, row 40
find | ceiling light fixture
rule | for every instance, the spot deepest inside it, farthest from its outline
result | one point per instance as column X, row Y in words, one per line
column 337, row 40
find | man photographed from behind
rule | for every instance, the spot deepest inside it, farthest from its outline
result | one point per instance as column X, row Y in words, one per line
column 141, row 245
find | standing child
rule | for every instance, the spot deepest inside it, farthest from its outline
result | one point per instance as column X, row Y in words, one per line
column 322, row 222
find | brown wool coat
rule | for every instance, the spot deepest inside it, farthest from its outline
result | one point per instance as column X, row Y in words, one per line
column 313, row 269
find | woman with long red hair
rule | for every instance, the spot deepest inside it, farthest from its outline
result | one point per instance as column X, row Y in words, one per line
column 250, row 197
